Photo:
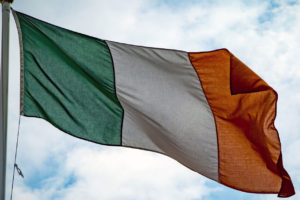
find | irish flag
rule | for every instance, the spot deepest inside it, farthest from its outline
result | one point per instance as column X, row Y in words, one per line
column 207, row 110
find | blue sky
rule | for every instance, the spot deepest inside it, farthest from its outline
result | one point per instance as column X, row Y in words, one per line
column 263, row 34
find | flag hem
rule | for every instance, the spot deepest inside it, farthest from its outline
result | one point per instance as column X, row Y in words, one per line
column 21, row 61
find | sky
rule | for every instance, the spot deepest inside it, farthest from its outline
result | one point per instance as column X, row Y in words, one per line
column 264, row 34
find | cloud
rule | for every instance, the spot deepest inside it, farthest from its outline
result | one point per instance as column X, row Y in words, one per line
column 117, row 173
column 100, row 176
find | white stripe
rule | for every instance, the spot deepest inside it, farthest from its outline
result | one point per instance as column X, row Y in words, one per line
column 165, row 109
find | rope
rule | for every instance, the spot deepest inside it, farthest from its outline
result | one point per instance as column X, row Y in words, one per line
column 15, row 164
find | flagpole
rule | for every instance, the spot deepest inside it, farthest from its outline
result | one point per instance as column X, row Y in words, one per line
column 4, row 93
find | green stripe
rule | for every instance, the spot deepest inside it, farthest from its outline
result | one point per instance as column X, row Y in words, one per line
column 69, row 81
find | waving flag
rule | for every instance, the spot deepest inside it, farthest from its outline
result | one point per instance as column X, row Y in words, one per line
column 206, row 110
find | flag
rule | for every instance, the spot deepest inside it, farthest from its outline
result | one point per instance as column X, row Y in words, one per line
column 207, row 110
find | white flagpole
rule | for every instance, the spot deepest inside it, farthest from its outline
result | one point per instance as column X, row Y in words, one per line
column 4, row 94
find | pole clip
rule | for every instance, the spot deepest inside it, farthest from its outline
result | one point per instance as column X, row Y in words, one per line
column 19, row 170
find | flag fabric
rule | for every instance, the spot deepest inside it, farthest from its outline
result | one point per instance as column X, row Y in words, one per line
column 207, row 110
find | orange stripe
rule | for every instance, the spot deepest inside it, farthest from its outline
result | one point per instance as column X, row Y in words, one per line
column 244, row 107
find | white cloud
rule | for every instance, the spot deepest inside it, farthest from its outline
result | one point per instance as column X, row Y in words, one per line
column 118, row 173
column 142, row 175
